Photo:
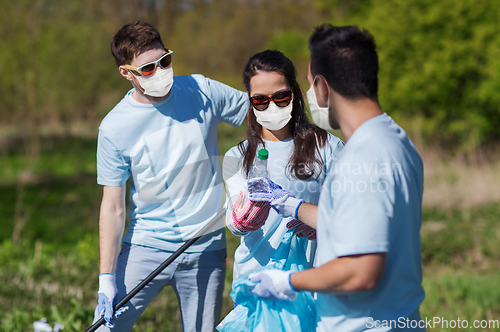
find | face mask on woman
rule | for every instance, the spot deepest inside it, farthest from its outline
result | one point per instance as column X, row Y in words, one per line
column 319, row 114
column 274, row 117
column 159, row 84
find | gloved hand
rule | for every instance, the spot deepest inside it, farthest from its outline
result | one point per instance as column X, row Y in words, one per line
column 106, row 295
column 249, row 216
column 302, row 229
column 281, row 200
column 274, row 285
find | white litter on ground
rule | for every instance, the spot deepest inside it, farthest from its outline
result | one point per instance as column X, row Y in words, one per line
column 42, row 326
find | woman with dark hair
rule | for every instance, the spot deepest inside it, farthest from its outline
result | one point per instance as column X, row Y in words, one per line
column 299, row 156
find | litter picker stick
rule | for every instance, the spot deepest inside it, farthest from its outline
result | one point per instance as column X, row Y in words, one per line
column 160, row 268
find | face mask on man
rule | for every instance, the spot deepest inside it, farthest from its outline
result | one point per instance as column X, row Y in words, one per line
column 319, row 114
column 159, row 84
column 274, row 117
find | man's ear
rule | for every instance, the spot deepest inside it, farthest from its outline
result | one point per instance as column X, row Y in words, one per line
column 322, row 91
column 126, row 73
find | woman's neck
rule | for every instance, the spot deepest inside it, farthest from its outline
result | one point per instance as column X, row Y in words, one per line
column 276, row 135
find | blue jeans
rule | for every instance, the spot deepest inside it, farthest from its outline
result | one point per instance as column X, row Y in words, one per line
column 197, row 279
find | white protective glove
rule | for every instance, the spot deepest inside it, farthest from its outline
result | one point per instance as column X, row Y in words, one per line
column 106, row 296
column 281, row 200
column 274, row 285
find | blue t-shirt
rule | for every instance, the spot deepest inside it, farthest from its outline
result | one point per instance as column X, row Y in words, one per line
column 169, row 152
column 257, row 248
column 372, row 202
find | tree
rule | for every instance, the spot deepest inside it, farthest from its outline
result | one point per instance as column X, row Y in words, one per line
column 440, row 65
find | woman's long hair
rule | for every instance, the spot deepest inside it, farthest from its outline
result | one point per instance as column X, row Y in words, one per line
column 307, row 138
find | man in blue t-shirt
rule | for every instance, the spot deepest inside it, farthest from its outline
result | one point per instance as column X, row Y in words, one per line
column 368, row 268
column 162, row 136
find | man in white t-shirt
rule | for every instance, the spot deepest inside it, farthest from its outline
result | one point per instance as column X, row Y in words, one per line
column 368, row 268
column 162, row 136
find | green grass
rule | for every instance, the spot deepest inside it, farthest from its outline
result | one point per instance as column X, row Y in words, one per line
column 52, row 270
column 461, row 259
column 461, row 293
column 458, row 237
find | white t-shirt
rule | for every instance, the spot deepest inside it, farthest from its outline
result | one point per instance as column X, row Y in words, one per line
column 257, row 248
column 169, row 152
column 371, row 202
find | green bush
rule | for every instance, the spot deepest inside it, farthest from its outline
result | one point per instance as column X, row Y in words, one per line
column 439, row 64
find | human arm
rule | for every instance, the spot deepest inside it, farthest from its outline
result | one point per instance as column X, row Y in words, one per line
column 231, row 105
column 308, row 213
column 111, row 226
column 344, row 275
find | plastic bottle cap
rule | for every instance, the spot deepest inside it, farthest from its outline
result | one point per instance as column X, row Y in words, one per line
column 263, row 154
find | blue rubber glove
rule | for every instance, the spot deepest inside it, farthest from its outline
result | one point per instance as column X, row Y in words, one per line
column 281, row 200
column 273, row 285
column 106, row 296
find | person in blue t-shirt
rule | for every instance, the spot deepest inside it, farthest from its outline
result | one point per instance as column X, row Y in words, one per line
column 368, row 268
column 162, row 136
column 300, row 154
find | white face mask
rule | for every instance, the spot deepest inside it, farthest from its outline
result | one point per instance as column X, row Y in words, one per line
column 159, row 84
column 274, row 117
column 319, row 114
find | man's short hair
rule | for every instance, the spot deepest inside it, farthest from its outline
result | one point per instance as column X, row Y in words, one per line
column 347, row 58
column 131, row 39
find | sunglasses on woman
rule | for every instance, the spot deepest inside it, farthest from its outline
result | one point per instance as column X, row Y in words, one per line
column 149, row 68
column 280, row 98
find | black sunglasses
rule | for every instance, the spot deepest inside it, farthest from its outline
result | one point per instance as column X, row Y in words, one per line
column 280, row 98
